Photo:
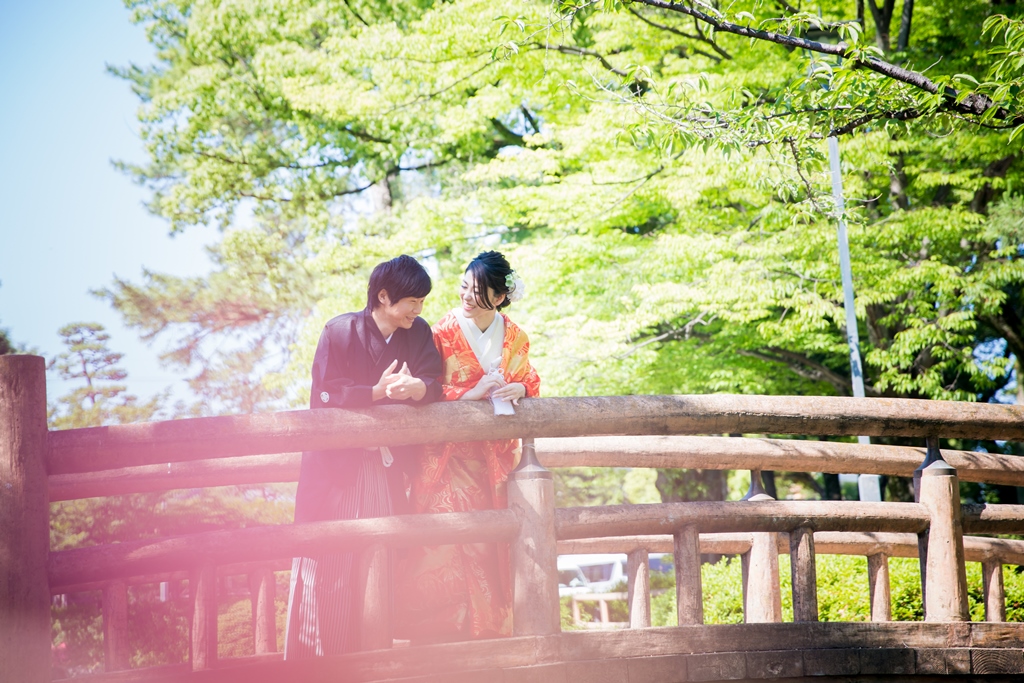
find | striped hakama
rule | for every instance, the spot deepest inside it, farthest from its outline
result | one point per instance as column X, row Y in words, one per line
column 325, row 601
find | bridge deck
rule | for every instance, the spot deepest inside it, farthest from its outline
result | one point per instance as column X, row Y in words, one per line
column 846, row 651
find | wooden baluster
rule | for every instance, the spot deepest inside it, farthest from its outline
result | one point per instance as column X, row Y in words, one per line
column 25, row 521
column 638, row 588
column 804, row 574
column 995, row 596
column 576, row 619
column 604, row 611
column 932, row 454
column 202, row 585
column 534, row 553
column 762, row 597
column 945, row 596
column 686, row 558
column 115, row 626
column 878, row 587
column 262, row 593
column 375, row 573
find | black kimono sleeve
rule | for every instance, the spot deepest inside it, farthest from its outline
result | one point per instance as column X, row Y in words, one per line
column 425, row 362
column 332, row 374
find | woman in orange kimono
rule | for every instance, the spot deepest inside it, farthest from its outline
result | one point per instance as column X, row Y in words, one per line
column 463, row 592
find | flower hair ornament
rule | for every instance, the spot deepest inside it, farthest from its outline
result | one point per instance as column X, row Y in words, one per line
column 516, row 287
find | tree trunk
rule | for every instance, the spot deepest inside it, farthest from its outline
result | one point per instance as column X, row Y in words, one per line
column 899, row 489
column 833, row 489
column 382, row 194
column 883, row 20
column 898, row 185
column 904, row 38
column 985, row 194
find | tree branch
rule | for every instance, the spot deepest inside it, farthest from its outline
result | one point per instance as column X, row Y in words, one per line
column 804, row 367
column 528, row 115
column 355, row 13
column 571, row 50
column 690, row 36
column 974, row 104
column 808, row 480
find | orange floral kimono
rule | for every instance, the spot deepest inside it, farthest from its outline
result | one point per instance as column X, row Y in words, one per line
column 461, row 592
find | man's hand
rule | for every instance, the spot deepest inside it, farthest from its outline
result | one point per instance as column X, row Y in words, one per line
column 388, row 378
column 402, row 386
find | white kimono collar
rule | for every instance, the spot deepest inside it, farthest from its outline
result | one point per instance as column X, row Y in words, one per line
column 486, row 345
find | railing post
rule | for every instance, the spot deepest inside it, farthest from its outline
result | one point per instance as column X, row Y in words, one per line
column 879, row 587
column 932, row 454
column 804, row 574
column 262, row 592
column 686, row 560
column 202, row 585
column 638, row 594
column 115, row 626
column 534, row 553
column 762, row 598
column 25, row 521
column 995, row 595
column 945, row 596
column 374, row 572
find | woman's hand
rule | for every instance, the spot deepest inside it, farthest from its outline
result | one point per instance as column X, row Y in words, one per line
column 483, row 388
column 512, row 391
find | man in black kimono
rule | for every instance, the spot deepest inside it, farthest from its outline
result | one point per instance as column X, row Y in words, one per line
column 382, row 355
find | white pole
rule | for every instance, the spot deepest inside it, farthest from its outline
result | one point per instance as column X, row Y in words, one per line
column 869, row 485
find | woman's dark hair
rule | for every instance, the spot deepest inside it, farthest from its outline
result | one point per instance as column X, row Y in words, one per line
column 490, row 269
column 401, row 277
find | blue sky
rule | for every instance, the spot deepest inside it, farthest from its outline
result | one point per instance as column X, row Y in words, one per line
column 69, row 220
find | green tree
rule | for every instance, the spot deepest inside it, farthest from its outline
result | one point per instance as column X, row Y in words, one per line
column 6, row 345
column 656, row 172
column 101, row 399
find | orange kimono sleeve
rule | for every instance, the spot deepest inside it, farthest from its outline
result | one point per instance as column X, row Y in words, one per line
column 460, row 371
column 517, row 366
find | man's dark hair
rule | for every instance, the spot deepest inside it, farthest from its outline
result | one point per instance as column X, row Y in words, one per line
column 401, row 277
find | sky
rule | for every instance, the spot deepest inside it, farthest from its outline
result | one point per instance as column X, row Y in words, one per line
column 70, row 221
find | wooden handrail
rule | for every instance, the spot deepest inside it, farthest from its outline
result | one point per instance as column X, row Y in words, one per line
column 692, row 452
column 977, row 548
column 112, row 447
column 240, row 569
column 240, row 471
column 629, row 520
column 121, row 560
column 84, row 567
column 788, row 455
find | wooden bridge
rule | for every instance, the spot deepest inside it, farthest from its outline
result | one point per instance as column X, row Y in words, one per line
column 37, row 466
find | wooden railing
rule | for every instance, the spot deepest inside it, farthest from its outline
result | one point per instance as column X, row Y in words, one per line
column 570, row 431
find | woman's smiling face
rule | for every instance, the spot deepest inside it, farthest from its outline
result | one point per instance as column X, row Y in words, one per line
column 469, row 297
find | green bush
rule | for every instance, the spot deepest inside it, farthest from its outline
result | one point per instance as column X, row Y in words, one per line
column 565, row 610
column 842, row 582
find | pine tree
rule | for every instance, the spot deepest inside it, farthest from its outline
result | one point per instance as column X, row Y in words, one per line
column 103, row 398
